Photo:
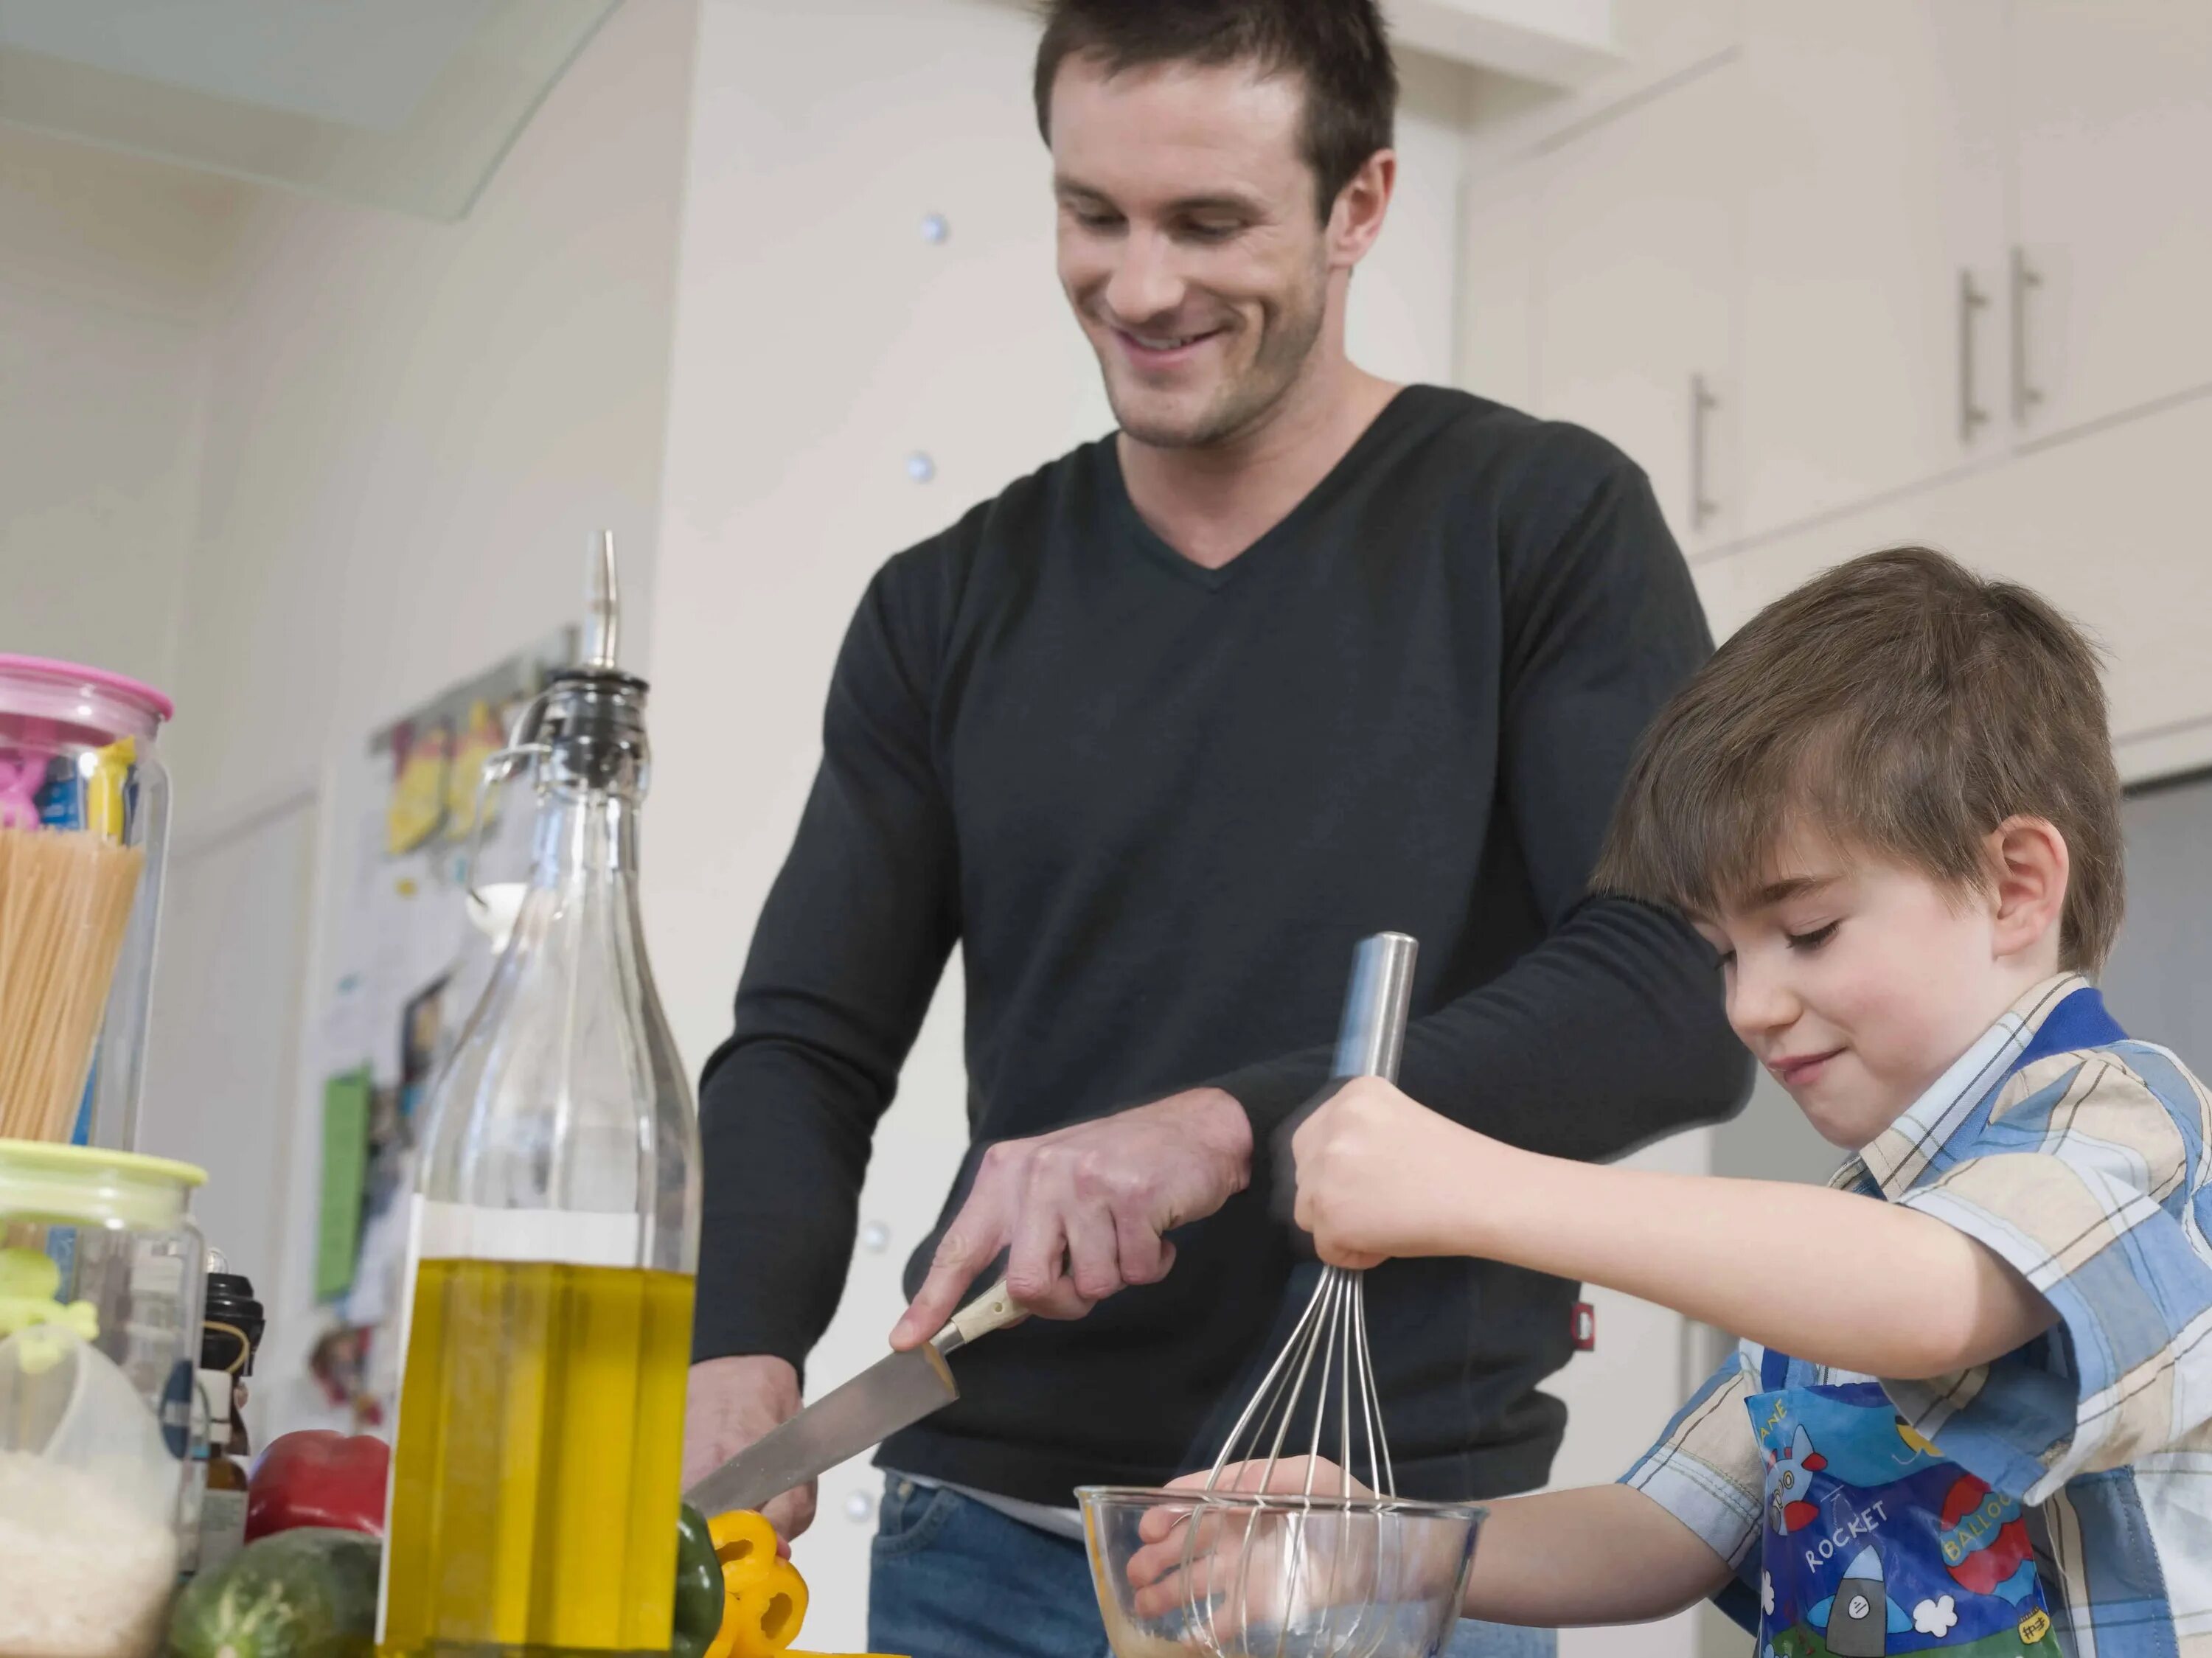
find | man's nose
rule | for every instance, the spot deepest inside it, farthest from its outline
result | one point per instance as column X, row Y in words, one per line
column 1144, row 284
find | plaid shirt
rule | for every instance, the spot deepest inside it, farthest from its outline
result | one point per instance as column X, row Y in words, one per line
column 2085, row 1160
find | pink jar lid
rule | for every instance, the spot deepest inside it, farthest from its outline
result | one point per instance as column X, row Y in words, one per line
column 76, row 673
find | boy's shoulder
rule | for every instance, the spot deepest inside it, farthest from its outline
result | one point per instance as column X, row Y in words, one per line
column 2128, row 1101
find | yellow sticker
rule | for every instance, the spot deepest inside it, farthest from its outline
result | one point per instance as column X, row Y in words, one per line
column 2035, row 1626
column 1913, row 1437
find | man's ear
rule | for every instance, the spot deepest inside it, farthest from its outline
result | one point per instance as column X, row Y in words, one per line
column 2029, row 867
column 1356, row 218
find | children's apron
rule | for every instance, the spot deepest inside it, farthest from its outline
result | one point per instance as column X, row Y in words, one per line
column 1872, row 1542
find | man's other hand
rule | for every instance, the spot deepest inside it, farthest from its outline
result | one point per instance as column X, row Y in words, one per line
column 728, row 1403
column 1082, row 1211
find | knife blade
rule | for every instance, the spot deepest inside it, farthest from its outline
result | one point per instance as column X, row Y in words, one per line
column 893, row 1393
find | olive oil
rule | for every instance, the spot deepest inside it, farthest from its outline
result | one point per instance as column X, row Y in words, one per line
column 541, row 1438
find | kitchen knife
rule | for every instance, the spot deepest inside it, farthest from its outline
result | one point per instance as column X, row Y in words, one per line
column 891, row 1393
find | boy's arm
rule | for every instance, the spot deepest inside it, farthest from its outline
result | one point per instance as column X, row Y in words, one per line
column 1839, row 1279
column 1598, row 1554
column 1828, row 1276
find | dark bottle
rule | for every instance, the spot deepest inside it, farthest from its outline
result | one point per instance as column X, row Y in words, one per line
column 229, row 1334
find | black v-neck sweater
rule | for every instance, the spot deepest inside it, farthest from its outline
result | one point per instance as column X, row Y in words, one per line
column 1156, row 805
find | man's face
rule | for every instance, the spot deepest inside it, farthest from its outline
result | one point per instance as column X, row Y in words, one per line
column 1190, row 244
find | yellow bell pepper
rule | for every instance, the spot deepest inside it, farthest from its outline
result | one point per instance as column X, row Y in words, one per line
column 765, row 1598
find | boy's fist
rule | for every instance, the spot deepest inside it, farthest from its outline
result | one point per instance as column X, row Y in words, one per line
column 1379, row 1175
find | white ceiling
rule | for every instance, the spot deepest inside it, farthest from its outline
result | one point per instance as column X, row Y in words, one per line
column 366, row 65
column 402, row 104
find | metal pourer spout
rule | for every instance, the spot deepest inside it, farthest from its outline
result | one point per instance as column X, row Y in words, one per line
column 587, row 728
column 603, row 610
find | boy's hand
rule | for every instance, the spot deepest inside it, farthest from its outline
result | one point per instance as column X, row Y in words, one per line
column 1379, row 1175
column 1218, row 1550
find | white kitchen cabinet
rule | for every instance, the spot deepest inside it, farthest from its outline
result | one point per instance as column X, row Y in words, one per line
column 2112, row 104
column 1637, row 239
column 2108, row 527
column 1659, row 42
column 1873, row 193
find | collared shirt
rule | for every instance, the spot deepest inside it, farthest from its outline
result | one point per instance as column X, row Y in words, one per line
column 2079, row 1157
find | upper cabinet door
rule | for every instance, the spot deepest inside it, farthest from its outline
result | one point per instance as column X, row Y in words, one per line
column 1874, row 329
column 2112, row 110
column 1636, row 238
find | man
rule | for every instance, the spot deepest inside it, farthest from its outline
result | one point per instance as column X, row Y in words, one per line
column 1157, row 735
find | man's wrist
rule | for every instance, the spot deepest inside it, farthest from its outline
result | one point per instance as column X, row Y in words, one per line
column 777, row 1375
column 1218, row 1119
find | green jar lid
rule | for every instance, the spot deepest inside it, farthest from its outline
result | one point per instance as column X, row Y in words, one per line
column 89, row 1185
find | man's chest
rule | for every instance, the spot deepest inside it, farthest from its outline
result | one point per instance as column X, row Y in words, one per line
column 1154, row 724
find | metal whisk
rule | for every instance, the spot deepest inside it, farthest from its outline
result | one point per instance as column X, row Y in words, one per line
column 1298, row 1572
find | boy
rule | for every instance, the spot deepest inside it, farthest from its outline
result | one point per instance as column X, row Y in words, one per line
column 1889, row 804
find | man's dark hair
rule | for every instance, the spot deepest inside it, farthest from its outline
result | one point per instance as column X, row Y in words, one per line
column 1338, row 47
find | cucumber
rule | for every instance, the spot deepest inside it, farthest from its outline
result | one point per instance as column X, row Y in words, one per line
column 305, row 1594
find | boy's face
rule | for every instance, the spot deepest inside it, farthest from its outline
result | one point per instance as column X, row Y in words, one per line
column 1856, row 981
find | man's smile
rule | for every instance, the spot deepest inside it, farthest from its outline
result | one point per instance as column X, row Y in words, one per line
column 1157, row 348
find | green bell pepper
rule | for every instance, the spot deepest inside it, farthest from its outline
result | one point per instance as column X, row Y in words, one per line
column 698, row 1587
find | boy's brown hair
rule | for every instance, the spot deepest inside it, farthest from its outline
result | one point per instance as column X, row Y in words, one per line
column 1902, row 705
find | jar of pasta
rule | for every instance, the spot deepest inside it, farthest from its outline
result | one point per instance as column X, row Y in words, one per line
column 84, row 817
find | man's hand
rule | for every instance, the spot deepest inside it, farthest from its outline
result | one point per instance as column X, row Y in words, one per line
column 729, row 1403
column 1380, row 1175
column 1082, row 1210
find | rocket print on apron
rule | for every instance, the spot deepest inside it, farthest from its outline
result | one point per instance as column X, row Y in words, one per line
column 1872, row 1542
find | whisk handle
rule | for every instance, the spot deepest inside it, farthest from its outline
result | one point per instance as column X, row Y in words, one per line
column 1373, row 1031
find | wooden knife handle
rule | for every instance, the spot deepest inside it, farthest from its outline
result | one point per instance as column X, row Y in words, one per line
column 995, row 1309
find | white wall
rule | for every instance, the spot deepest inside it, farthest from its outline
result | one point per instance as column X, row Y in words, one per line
column 820, row 340
column 301, row 464
column 412, row 431
column 413, row 427
column 105, row 267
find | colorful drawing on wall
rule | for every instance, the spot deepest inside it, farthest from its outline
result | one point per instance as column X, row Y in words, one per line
column 406, row 968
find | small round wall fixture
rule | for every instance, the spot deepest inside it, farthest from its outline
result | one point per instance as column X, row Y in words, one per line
column 934, row 228
column 920, row 467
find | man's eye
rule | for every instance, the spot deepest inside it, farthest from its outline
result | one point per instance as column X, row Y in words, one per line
column 1813, row 940
column 1213, row 233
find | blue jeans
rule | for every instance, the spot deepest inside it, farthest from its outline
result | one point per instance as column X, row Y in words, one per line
column 954, row 1578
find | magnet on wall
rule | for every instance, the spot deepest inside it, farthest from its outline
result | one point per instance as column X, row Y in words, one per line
column 875, row 1237
column 920, row 467
column 934, row 229
column 859, row 1506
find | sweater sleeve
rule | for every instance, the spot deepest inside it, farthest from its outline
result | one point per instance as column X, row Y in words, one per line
column 848, row 952
column 1610, row 1032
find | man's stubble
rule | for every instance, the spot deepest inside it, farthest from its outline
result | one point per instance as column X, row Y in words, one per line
column 1244, row 402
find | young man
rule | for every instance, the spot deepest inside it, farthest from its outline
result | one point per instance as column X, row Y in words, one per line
column 1156, row 736
column 1889, row 804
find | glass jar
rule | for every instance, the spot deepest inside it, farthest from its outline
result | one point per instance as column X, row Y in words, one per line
column 84, row 826
column 100, row 1281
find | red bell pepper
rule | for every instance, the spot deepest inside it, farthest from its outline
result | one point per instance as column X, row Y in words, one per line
column 317, row 1478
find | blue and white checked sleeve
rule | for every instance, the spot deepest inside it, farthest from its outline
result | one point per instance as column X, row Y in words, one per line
column 1706, row 1469
column 2083, row 1181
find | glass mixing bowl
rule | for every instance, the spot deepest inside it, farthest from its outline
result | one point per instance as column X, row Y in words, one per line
column 1246, row 1575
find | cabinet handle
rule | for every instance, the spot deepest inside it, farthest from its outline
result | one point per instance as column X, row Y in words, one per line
column 1702, row 506
column 2025, row 393
column 1972, row 415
